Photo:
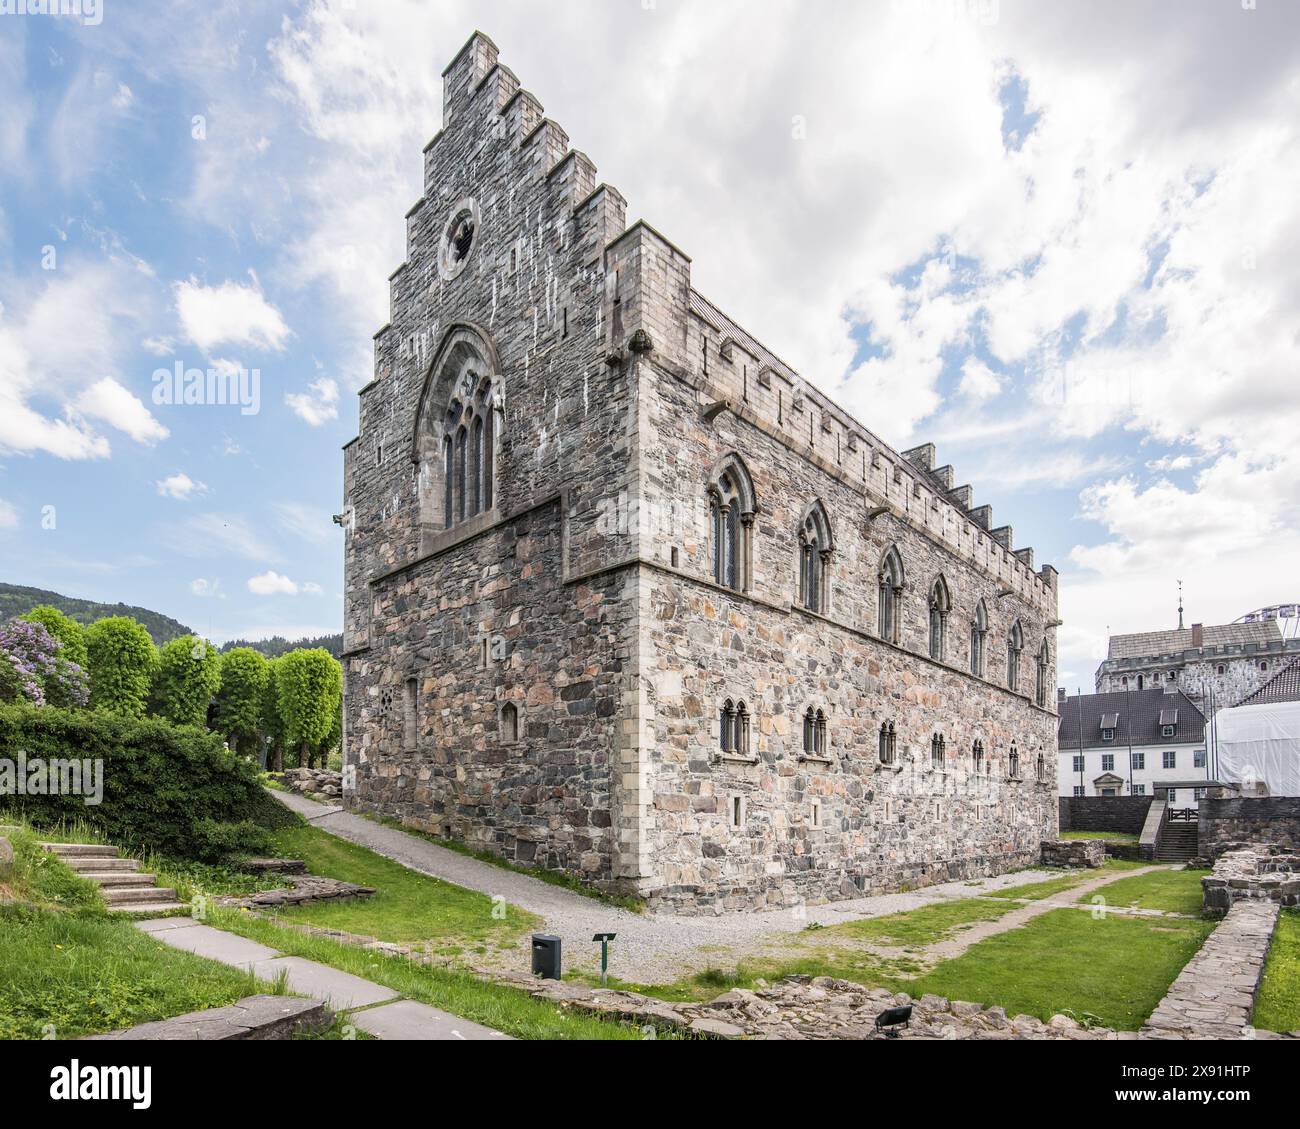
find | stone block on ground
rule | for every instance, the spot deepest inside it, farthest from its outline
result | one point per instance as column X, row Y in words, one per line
column 256, row 1018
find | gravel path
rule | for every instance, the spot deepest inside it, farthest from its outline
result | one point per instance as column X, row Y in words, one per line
column 651, row 949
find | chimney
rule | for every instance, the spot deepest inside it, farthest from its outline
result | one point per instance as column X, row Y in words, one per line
column 1198, row 635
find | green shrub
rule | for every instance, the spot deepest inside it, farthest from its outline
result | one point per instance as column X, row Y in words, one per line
column 216, row 842
column 160, row 781
column 64, row 628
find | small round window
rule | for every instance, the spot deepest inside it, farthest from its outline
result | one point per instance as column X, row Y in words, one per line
column 458, row 239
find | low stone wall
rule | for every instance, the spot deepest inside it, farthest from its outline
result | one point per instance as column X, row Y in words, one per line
column 1214, row 996
column 1126, row 814
column 1252, row 875
column 1090, row 853
column 315, row 782
column 305, row 891
column 1263, row 821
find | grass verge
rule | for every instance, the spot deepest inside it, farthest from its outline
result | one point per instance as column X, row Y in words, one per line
column 1037, row 891
column 406, row 906
column 1114, row 969
column 1278, row 1006
column 1107, row 836
column 920, row 927
column 67, row 975
column 504, row 1009
column 1171, row 891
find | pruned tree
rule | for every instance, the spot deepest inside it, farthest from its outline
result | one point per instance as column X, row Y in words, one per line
column 309, row 689
column 65, row 629
column 240, row 701
column 121, row 657
column 186, row 680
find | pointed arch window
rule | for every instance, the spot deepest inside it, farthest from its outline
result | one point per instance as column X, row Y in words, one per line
column 816, row 546
column 456, row 433
column 940, row 607
column 979, row 633
column 1042, row 687
column 977, row 756
column 1015, row 648
column 732, row 509
column 888, row 743
column 891, row 596
column 1013, row 763
column 938, row 752
column 1040, row 769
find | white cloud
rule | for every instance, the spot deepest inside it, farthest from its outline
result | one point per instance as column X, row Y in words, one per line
column 318, row 405
column 312, row 589
column 8, row 515
column 110, row 402
column 229, row 314
column 207, row 589
column 272, row 584
column 181, row 487
column 979, row 383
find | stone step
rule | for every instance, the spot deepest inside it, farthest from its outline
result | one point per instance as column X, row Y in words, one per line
column 122, row 879
column 81, row 850
column 150, row 908
column 115, row 897
column 99, row 865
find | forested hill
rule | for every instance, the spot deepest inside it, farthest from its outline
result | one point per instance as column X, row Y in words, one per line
column 16, row 600
column 276, row 646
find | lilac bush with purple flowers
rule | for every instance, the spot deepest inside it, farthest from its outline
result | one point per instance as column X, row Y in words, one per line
column 42, row 675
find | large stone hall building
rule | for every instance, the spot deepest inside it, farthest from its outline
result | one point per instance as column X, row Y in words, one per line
column 627, row 597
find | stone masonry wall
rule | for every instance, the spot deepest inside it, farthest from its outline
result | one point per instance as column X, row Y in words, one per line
column 1261, row 822
column 1125, row 814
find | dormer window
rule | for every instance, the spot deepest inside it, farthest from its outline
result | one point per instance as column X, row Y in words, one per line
column 1109, row 723
column 1167, row 730
column 1108, row 735
column 1168, row 723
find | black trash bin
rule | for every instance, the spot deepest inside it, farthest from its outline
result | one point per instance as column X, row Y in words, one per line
column 546, row 956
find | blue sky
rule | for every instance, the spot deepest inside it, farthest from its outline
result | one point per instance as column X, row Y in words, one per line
column 1064, row 249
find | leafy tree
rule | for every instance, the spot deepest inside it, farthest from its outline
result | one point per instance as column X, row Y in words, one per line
column 122, row 660
column 244, row 675
column 272, row 726
column 309, row 688
column 186, row 680
column 64, row 628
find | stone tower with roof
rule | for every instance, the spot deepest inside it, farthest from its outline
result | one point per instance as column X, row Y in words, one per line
column 627, row 598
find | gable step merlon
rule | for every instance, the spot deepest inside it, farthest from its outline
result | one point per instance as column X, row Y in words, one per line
column 522, row 114
column 601, row 218
column 497, row 88
column 946, row 476
column 922, row 456
column 982, row 516
column 1025, row 557
column 574, row 177
column 466, row 72
column 547, row 145
column 963, row 496
column 1003, row 536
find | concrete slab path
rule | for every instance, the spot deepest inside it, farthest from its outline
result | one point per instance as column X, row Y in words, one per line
column 398, row 1019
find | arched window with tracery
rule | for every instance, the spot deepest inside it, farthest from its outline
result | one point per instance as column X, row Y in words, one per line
column 1042, row 688
column 456, row 434
column 891, row 596
column 979, row 633
column 977, row 756
column 732, row 509
column 814, row 733
column 940, row 607
column 938, row 751
column 1015, row 648
column 816, row 546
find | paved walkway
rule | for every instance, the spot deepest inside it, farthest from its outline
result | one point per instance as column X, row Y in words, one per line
column 370, row 1007
column 650, row 949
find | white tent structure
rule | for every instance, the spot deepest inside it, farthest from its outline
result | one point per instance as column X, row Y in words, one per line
column 1260, row 745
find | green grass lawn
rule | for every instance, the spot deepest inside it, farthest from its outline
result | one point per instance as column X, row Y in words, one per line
column 1173, row 891
column 1278, row 1006
column 406, row 906
column 1065, row 962
column 1036, row 891
column 40, row 878
column 502, row 1008
column 1108, row 836
column 920, row 927
column 84, row 975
